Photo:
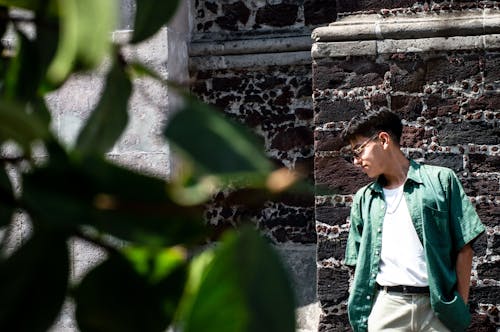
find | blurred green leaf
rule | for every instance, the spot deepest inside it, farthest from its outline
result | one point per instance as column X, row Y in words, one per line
column 216, row 144
column 33, row 284
column 46, row 45
column 96, row 21
column 67, row 50
column 22, row 79
column 110, row 198
column 139, row 70
column 155, row 263
column 39, row 107
column 85, row 35
column 109, row 119
column 26, row 4
column 26, row 72
column 150, row 16
column 244, row 288
column 114, row 297
column 20, row 126
column 7, row 201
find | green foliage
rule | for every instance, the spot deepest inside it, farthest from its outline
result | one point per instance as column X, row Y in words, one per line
column 110, row 118
column 151, row 16
column 116, row 297
column 246, row 282
column 156, row 274
column 219, row 146
column 33, row 283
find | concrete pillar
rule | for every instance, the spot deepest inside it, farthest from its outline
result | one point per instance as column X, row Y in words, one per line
column 142, row 146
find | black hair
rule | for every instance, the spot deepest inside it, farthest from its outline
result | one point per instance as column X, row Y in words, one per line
column 373, row 122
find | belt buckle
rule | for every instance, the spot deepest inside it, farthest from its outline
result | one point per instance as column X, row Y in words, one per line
column 405, row 289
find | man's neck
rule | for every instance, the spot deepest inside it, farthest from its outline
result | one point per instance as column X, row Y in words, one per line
column 397, row 171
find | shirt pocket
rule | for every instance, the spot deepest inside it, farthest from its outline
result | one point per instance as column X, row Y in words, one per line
column 436, row 223
column 454, row 314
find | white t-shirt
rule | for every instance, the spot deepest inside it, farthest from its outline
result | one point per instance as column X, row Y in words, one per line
column 402, row 255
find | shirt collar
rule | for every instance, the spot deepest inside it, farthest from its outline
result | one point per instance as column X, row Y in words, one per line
column 413, row 175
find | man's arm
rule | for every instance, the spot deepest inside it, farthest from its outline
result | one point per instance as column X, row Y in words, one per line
column 464, row 266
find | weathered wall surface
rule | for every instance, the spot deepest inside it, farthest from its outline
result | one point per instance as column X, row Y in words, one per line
column 141, row 146
column 251, row 59
column 437, row 68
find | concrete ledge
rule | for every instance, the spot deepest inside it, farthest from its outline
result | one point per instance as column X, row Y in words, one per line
column 377, row 27
column 376, row 47
column 251, row 46
column 249, row 60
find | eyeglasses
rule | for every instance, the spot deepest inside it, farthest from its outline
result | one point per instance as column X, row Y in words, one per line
column 356, row 152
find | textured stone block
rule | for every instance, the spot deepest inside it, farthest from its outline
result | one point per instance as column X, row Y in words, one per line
column 438, row 106
column 468, row 132
column 483, row 163
column 408, row 107
column 333, row 285
column 452, row 69
column 332, row 215
column 450, row 160
column 489, row 213
column 332, row 248
column 485, row 102
column 483, row 323
column 482, row 185
column 353, row 72
column 334, row 323
column 338, row 176
column 413, row 137
column 300, row 261
column 329, row 110
column 488, row 294
column 232, row 14
column 408, row 77
column 492, row 69
column 488, row 270
column 495, row 244
column 278, row 15
column 319, row 12
column 480, row 244
column 328, row 140
column 293, row 138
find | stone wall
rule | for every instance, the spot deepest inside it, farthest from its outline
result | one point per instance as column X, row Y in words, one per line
column 435, row 64
column 251, row 60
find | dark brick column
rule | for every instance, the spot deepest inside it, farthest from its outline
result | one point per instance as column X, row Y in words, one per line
column 445, row 84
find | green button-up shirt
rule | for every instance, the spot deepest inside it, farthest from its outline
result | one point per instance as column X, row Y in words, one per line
column 445, row 221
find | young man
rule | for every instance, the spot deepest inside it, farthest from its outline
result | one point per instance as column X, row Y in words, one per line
column 410, row 236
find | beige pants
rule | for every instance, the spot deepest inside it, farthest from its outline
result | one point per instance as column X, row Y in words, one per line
column 403, row 312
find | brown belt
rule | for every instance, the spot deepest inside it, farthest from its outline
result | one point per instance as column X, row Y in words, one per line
column 404, row 289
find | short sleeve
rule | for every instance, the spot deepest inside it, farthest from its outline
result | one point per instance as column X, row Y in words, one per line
column 355, row 230
column 464, row 221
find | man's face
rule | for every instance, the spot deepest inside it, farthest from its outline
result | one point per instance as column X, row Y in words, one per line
column 366, row 153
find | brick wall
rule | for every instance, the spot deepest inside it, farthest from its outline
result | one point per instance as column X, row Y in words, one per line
column 275, row 103
column 251, row 60
column 239, row 65
column 446, row 88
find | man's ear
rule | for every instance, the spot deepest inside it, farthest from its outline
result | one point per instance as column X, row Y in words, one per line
column 385, row 138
